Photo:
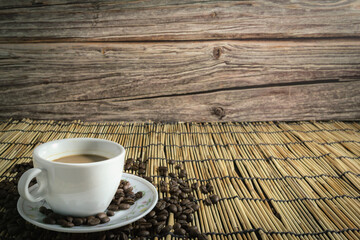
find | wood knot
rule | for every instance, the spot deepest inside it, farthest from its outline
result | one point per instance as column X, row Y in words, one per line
column 219, row 112
column 103, row 52
column 217, row 52
column 213, row 14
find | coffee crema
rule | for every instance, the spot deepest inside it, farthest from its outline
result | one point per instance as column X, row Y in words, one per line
column 81, row 158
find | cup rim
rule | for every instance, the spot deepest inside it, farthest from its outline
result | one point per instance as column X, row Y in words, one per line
column 41, row 159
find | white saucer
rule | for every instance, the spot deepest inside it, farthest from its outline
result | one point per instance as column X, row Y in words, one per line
column 30, row 211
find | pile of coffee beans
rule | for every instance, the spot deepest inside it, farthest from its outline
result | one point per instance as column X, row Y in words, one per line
column 122, row 200
column 173, row 214
column 155, row 222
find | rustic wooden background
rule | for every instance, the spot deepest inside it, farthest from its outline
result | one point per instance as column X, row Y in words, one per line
column 180, row 60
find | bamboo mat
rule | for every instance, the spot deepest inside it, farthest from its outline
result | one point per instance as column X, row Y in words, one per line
column 275, row 180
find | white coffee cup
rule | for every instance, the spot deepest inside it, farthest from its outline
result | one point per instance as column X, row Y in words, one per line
column 74, row 189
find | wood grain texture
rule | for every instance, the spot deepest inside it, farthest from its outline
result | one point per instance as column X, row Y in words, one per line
column 62, row 20
column 74, row 72
column 305, row 102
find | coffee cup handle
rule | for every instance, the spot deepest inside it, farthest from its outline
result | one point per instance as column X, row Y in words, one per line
column 23, row 185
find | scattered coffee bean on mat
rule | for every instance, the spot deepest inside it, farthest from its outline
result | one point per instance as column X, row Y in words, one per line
column 203, row 189
column 207, row 201
column 214, row 198
column 163, row 171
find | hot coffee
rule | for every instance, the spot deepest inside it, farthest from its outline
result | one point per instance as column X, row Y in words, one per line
column 81, row 158
column 75, row 189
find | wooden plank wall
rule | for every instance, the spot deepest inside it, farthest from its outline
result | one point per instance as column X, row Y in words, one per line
column 180, row 60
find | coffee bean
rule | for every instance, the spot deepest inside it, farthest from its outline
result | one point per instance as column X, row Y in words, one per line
column 129, row 161
column 110, row 213
column 174, row 190
column 207, row 201
column 138, row 195
column 182, row 195
column 189, row 218
column 191, row 197
column 163, row 189
column 173, row 175
column 69, row 219
column 214, row 198
column 148, row 179
column 119, row 191
column 180, row 231
column 48, row 220
column 160, row 205
column 177, row 225
column 188, row 211
column 179, row 208
column 174, row 199
column 195, row 186
column 164, row 212
column 151, row 214
column 171, row 161
column 48, row 211
column 127, row 200
column 135, row 166
column 159, row 227
column 113, row 207
column 193, row 231
column 185, row 201
column 101, row 215
column 182, row 173
column 61, row 221
column 43, row 210
column 67, row 224
column 124, row 206
column 172, row 208
column 162, row 168
column 78, row 221
column 161, row 217
column 203, row 189
column 141, row 220
column 153, row 221
column 93, row 221
column 105, row 219
column 145, row 225
column 128, row 190
column 183, row 223
column 166, row 229
column 182, row 217
column 143, row 233
column 209, row 188
column 195, row 207
column 177, row 166
column 180, row 181
column 125, row 185
column 127, row 167
column 186, row 190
